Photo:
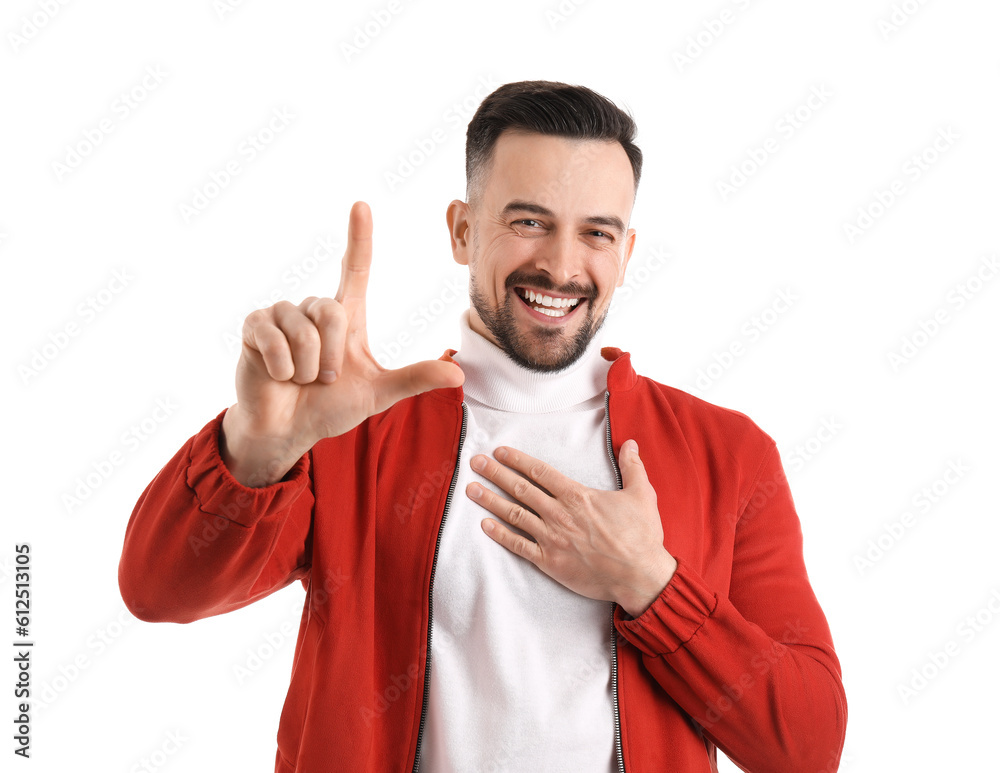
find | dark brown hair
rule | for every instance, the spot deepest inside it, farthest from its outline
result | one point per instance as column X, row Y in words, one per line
column 546, row 107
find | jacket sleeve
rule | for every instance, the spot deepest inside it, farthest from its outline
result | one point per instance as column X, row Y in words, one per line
column 199, row 543
column 757, row 669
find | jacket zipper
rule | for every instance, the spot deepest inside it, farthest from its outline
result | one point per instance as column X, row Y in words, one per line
column 430, row 592
column 614, row 631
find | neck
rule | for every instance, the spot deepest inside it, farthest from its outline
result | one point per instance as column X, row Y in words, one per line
column 494, row 379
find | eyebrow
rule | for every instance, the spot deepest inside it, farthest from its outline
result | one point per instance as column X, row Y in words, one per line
column 608, row 221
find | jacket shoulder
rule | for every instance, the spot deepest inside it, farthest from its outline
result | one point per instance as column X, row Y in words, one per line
column 703, row 424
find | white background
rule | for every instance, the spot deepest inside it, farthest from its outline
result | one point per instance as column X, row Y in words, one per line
column 826, row 360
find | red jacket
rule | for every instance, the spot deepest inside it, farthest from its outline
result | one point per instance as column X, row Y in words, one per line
column 735, row 653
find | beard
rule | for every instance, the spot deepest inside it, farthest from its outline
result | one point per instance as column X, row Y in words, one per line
column 541, row 348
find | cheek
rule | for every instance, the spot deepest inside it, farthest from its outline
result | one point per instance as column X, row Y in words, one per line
column 611, row 273
column 505, row 256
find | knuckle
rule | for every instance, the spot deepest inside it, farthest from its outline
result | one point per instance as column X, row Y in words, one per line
column 574, row 499
column 537, row 471
column 520, row 488
column 304, row 336
column 562, row 522
column 255, row 318
column 328, row 311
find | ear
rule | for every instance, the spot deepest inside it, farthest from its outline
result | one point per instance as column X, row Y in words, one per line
column 460, row 232
column 629, row 246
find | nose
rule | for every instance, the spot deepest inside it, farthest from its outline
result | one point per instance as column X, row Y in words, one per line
column 560, row 258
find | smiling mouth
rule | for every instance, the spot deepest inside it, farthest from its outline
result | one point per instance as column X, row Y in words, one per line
column 549, row 305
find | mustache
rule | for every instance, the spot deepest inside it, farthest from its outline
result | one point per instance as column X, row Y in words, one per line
column 542, row 282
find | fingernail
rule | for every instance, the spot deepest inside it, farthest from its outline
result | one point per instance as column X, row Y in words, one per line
column 328, row 376
column 475, row 491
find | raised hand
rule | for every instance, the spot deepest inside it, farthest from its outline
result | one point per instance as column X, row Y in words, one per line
column 306, row 372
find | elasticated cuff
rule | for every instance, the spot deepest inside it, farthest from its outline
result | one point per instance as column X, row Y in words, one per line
column 673, row 617
column 219, row 493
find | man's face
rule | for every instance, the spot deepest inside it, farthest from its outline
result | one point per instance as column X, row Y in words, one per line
column 546, row 245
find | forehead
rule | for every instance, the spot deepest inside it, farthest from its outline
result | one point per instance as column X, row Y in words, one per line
column 560, row 173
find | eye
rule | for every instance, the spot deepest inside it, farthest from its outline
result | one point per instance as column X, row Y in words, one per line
column 602, row 234
column 526, row 221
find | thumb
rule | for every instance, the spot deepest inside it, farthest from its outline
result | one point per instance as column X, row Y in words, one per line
column 632, row 469
column 395, row 385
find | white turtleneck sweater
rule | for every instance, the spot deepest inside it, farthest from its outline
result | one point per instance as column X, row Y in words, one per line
column 520, row 665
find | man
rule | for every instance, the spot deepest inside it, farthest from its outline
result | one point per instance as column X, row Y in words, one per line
column 516, row 588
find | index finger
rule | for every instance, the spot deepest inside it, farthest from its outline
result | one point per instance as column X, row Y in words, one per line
column 357, row 261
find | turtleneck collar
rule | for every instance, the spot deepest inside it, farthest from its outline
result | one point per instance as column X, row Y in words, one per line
column 494, row 379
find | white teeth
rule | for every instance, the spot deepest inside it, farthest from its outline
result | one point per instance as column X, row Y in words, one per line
column 547, row 300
